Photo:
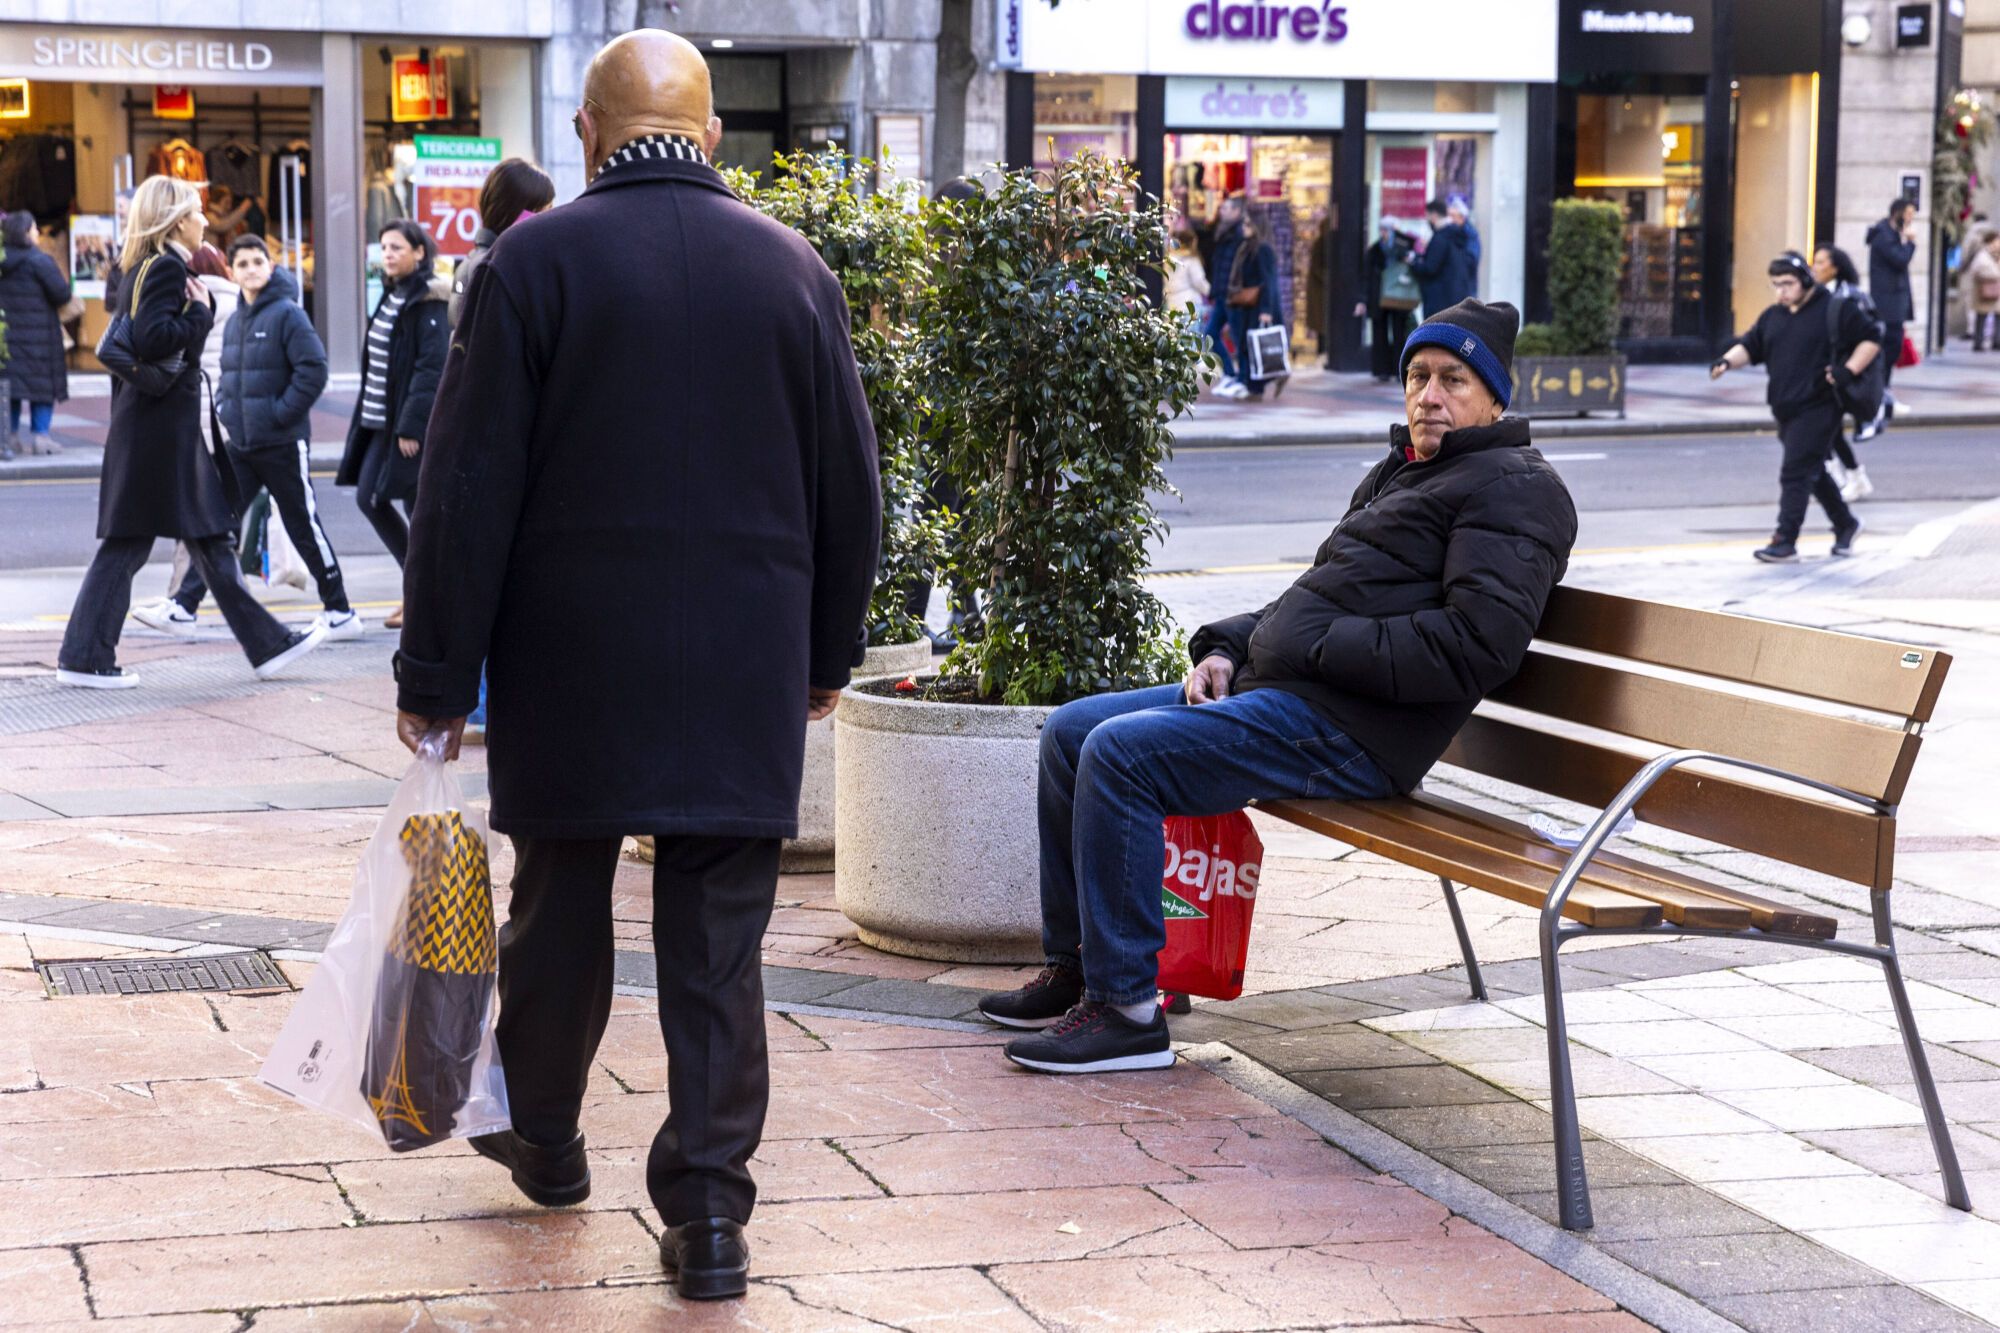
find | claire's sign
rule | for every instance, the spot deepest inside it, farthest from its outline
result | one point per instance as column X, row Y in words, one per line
column 1211, row 20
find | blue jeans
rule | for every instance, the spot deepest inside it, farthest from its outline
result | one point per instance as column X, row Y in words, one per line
column 1218, row 319
column 1116, row 765
column 39, row 416
column 478, row 718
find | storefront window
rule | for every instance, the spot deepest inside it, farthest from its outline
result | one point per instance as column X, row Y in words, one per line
column 750, row 97
column 1776, row 151
column 1073, row 112
column 1422, row 98
column 1643, row 152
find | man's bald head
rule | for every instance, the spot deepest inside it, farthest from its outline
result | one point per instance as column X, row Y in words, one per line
column 645, row 82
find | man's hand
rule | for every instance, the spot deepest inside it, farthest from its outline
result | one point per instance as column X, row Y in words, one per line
column 411, row 729
column 408, row 446
column 821, row 703
column 1719, row 369
column 1210, row 679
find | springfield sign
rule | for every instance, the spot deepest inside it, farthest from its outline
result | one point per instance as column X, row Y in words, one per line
column 1486, row 41
column 150, row 55
column 446, row 180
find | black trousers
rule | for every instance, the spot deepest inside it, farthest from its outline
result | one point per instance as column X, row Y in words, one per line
column 380, row 511
column 102, row 603
column 287, row 475
column 1892, row 348
column 712, row 900
column 1808, row 440
column 1392, row 330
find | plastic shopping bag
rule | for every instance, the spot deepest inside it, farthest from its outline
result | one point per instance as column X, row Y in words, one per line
column 395, row 1029
column 1207, row 892
column 282, row 562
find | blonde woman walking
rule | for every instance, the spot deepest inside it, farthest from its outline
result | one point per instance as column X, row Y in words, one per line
column 159, row 479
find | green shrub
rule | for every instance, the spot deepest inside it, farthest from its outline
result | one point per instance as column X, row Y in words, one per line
column 1535, row 340
column 1586, row 246
column 879, row 247
column 1054, row 380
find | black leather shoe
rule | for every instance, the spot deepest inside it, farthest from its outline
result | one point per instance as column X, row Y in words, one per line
column 552, row 1177
column 709, row 1259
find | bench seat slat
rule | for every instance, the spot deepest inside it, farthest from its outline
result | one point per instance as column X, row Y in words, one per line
column 1359, row 825
column 1644, row 880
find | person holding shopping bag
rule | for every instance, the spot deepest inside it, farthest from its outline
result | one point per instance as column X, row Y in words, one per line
column 159, row 479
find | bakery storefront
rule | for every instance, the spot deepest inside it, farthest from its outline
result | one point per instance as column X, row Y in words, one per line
column 1711, row 124
column 1326, row 117
column 310, row 140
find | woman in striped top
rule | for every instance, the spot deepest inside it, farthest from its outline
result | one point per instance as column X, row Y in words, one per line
column 407, row 341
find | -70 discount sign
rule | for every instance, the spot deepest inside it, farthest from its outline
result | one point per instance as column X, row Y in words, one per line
column 446, row 183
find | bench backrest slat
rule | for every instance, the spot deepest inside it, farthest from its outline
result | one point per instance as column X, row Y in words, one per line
column 1859, row 756
column 1866, row 673
column 1844, row 841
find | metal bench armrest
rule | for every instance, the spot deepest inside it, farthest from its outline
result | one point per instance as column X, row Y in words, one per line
column 1633, row 792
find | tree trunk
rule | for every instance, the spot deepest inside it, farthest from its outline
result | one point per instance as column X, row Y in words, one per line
column 955, row 68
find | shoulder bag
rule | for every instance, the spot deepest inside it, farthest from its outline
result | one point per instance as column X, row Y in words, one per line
column 115, row 349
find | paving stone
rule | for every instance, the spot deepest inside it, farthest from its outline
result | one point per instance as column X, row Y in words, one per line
column 18, row 808
column 1420, row 990
column 1342, row 1046
column 1885, row 1307
column 1476, row 1125
column 361, row 793
column 255, row 932
column 1291, row 1010
column 1207, row 1024
column 916, row 998
column 184, row 1203
column 34, row 907
column 1010, row 1159
column 1405, row 1085
column 1965, row 1102
column 114, row 801
column 1652, row 1212
column 1709, row 1266
column 1518, row 1170
column 41, row 1286
column 797, row 985
column 631, row 968
column 128, row 919
column 1254, row 1214
column 1902, row 1150
column 1641, row 962
column 1878, row 1066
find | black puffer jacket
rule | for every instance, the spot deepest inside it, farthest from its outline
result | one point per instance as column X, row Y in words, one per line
column 273, row 369
column 1421, row 602
column 418, row 343
column 32, row 289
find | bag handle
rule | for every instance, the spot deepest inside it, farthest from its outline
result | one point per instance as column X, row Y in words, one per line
column 138, row 285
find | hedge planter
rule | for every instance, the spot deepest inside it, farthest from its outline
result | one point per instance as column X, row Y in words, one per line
column 812, row 850
column 1552, row 386
column 935, row 820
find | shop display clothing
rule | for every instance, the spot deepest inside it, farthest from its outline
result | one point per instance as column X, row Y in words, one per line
column 178, row 158
column 38, row 173
column 712, row 900
column 32, row 289
column 238, row 165
column 275, row 170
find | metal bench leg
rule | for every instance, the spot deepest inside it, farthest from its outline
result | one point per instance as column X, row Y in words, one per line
column 1920, row 1065
column 1572, row 1183
column 1464, row 940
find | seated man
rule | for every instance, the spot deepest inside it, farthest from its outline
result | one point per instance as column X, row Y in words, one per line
column 1423, row 599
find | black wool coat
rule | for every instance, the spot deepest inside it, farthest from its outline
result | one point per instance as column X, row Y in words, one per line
column 32, row 289
column 159, row 478
column 1889, row 258
column 273, row 370
column 1422, row 600
column 650, row 506
column 418, row 342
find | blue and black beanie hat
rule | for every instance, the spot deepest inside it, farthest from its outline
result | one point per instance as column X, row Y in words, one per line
column 1478, row 334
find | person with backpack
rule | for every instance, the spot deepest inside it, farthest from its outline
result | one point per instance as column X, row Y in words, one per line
column 273, row 369
column 1796, row 340
column 1868, row 402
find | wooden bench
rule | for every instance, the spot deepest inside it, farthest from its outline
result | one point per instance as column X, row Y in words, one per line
column 1792, row 743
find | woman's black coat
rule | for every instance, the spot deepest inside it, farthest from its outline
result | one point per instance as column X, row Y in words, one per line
column 417, row 347
column 159, row 478
column 32, row 288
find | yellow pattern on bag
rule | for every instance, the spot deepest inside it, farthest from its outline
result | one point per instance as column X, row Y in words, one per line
column 447, row 920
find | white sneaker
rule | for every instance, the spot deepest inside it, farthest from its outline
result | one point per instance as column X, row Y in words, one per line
column 117, row 678
column 1858, row 486
column 300, row 645
column 167, row 616
column 1234, row 389
column 342, row 625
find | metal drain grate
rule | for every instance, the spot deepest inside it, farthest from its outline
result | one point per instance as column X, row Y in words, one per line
column 158, row 976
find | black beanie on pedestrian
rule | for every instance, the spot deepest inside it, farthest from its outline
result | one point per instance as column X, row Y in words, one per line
column 1792, row 264
column 1478, row 334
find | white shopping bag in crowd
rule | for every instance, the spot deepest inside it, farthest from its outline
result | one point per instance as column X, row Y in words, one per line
column 282, row 562
column 394, row 1031
column 1270, row 352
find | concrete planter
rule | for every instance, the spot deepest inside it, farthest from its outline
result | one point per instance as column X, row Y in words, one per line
column 812, row 850
column 935, row 819
column 1552, row 386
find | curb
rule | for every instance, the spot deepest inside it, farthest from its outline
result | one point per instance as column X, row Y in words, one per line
column 1566, row 428
column 90, row 471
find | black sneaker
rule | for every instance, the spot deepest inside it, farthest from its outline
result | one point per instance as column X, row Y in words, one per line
column 552, row 1177
column 1094, row 1038
column 1038, row 1004
column 1843, row 537
column 1777, row 553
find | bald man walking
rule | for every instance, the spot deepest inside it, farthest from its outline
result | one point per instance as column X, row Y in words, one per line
column 649, row 504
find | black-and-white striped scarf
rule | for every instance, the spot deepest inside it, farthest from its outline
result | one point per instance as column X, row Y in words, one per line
column 674, row 146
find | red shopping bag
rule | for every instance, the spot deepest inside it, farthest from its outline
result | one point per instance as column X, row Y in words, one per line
column 1908, row 356
column 1207, row 893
